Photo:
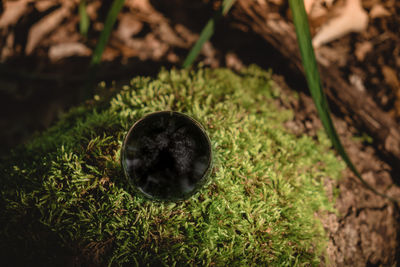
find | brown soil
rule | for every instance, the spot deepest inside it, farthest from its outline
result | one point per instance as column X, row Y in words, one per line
column 366, row 232
column 43, row 68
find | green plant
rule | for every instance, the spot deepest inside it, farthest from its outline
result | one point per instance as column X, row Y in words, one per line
column 105, row 33
column 314, row 83
column 64, row 195
column 300, row 21
column 87, row 91
column 84, row 21
column 207, row 32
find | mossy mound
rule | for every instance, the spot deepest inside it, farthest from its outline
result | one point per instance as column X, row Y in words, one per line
column 64, row 197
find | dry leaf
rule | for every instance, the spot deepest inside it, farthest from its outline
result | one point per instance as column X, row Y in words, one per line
column 168, row 35
column 391, row 78
column 172, row 57
column 128, row 27
column 92, row 10
column 143, row 5
column 209, row 53
column 64, row 50
column 149, row 47
column 352, row 19
column 43, row 5
column 13, row 10
column 146, row 13
column 362, row 49
column 378, row 11
column 316, row 8
column 308, row 4
column 357, row 82
column 276, row 2
column 233, row 62
column 44, row 27
column 318, row 11
column 110, row 53
column 262, row 2
column 186, row 34
column 327, row 55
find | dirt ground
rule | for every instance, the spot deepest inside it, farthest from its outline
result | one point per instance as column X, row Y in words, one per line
column 366, row 232
column 44, row 61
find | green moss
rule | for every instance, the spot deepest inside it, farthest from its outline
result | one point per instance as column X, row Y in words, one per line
column 65, row 197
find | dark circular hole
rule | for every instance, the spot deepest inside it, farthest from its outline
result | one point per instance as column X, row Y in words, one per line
column 166, row 155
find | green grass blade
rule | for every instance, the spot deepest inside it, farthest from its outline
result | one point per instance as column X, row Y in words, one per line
column 84, row 21
column 87, row 91
column 207, row 32
column 315, row 85
column 105, row 34
column 205, row 35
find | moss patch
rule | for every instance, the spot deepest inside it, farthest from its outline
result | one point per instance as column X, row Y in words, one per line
column 64, row 197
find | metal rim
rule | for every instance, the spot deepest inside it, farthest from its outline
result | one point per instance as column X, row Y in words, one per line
column 205, row 177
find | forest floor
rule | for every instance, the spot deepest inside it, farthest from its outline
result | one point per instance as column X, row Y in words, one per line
column 44, row 61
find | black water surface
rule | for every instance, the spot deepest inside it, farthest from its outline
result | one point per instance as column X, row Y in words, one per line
column 167, row 155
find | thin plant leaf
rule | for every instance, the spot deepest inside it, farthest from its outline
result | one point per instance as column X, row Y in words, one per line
column 314, row 83
column 207, row 32
column 105, row 34
column 87, row 91
column 84, row 21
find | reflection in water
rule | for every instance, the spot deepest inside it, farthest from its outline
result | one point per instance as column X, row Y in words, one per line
column 166, row 155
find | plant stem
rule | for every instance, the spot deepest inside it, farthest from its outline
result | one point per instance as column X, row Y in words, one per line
column 207, row 32
column 314, row 83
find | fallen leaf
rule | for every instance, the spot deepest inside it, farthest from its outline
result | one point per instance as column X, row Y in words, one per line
column 64, row 50
column 148, row 47
column 308, row 4
column 65, row 34
column 142, row 5
column 209, row 53
column 318, row 11
column 276, row 2
column 378, row 11
column 128, row 27
column 43, row 5
column 233, row 62
column 44, row 27
column 146, row 10
column 391, row 77
column 357, row 82
column 186, row 34
column 328, row 3
column 353, row 18
column 172, row 57
column 317, row 8
column 168, row 35
column 13, row 10
column 362, row 49
column 92, row 10
column 338, row 55
column 110, row 53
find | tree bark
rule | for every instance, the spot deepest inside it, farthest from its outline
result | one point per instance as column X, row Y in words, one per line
column 359, row 106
